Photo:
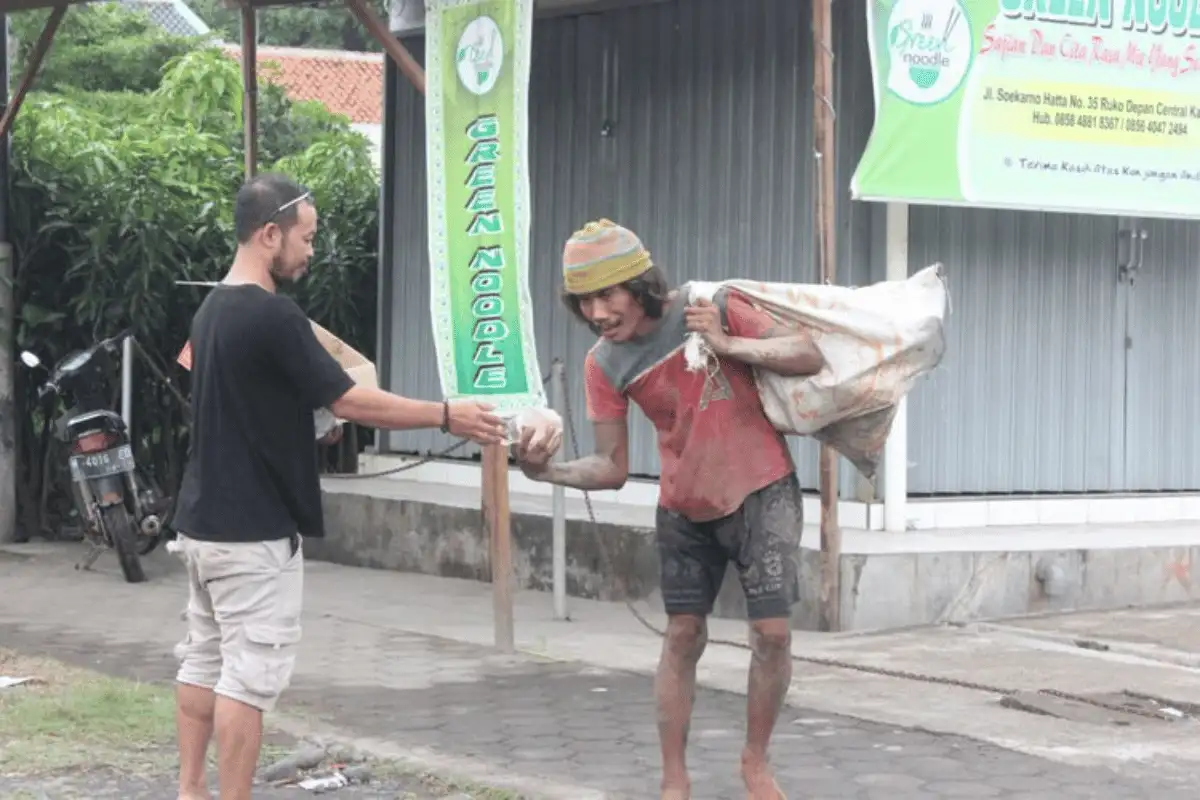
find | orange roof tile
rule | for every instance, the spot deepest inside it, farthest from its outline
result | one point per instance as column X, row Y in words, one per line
column 346, row 82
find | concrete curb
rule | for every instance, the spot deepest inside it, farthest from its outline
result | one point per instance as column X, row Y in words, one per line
column 1154, row 653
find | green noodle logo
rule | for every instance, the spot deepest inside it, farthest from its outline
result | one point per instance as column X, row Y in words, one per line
column 930, row 45
column 480, row 55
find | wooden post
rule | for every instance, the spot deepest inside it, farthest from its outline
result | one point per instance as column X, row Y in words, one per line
column 496, row 515
column 496, row 520
column 250, row 88
column 398, row 52
column 825, row 213
column 35, row 62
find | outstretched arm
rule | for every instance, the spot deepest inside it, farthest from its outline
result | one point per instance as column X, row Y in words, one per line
column 379, row 409
column 607, row 468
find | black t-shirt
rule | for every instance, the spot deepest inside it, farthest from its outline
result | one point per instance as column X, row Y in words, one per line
column 258, row 373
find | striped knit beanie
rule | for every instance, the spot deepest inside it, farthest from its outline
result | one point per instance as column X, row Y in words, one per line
column 602, row 255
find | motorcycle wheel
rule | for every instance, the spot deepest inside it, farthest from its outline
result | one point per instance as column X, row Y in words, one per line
column 146, row 544
column 124, row 536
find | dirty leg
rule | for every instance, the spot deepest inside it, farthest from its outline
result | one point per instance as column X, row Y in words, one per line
column 770, row 676
column 675, row 691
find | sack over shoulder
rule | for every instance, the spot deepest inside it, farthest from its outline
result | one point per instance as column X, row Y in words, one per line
column 877, row 341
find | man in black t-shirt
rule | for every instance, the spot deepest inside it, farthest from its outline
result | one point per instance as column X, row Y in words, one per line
column 251, row 489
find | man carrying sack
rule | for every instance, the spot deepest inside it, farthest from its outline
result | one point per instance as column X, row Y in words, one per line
column 728, row 487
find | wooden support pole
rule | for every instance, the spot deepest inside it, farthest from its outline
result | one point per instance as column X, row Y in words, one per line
column 35, row 63
column 496, row 515
column 250, row 88
column 397, row 51
column 825, row 213
column 497, row 520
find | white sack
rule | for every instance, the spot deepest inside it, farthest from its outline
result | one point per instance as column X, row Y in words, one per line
column 876, row 340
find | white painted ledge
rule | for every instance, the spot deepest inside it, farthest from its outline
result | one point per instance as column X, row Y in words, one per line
column 996, row 538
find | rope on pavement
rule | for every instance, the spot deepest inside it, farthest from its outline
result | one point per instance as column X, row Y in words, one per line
column 831, row 662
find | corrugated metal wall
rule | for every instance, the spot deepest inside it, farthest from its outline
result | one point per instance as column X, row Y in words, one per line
column 687, row 121
column 1162, row 438
column 1058, row 376
column 1030, row 394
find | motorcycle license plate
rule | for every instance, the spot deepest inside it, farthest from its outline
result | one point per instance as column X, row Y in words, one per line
column 90, row 466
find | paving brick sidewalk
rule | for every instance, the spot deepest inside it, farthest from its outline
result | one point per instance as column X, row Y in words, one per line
column 112, row 784
column 567, row 723
column 592, row 728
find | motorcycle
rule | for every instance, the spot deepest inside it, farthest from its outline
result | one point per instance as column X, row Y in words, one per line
column 119, row 507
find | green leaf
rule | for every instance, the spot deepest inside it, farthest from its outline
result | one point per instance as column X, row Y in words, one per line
column 35, row 316
column 125, row 164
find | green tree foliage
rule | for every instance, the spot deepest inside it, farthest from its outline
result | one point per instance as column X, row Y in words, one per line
column 118, row 194
column 130, row 47
column 329, row 27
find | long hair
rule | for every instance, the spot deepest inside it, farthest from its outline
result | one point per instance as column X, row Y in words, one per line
column 649, row 290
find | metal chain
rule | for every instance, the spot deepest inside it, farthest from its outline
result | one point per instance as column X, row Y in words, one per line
column 827, row 662
column 358, row 476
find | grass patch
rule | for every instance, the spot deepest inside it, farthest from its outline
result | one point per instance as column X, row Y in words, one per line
column 76, row 718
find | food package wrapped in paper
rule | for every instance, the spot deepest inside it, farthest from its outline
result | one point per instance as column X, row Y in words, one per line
column 545, row 423
column 876, row 340
column 324, row 422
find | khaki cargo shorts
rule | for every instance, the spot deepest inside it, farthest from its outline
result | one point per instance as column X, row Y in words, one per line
column 243, row 617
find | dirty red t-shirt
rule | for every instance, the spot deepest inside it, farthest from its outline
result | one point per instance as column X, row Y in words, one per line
column 715, row 443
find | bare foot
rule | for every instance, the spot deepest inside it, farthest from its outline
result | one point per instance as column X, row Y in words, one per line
column 195, row 796
column 760, row 780
column 763, row 788
column 676, row 794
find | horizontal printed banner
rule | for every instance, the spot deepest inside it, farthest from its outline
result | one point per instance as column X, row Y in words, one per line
column 1088, row 106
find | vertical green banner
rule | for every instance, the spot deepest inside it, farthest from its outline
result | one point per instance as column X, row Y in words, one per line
column 477, row 96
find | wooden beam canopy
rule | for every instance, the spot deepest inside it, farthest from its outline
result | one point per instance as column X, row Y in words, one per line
column 376, row 27
column 397, row 51
column 35, row 62
column 249, row 57
column 9, row 6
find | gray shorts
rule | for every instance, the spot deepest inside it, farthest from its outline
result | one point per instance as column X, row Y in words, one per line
column 243, row 617
column 761, row 539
